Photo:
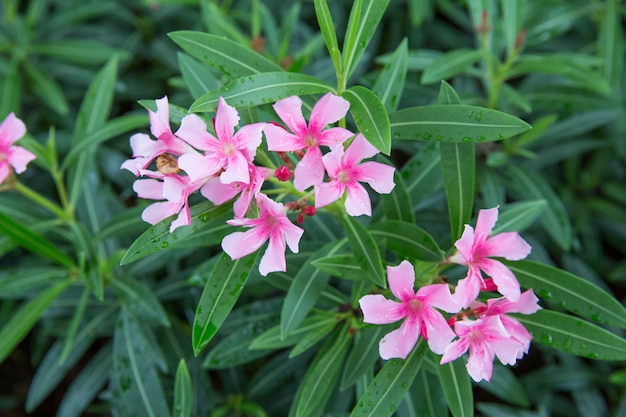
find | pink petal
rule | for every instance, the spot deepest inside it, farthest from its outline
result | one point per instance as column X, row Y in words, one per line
column 503, row 278
column 4, row 171
column 527, row 304
column 19, row 158
column 160, row 121
column 249, row 137
column 399, row 343
column 333, row 161
column 507, row 350
column 484, row 224
column 193, row 130
column 226, row 118
column 183, row 219
column 148, row 188
column 290, row 111
column 135, row 165
column 292, row 234
column 333, row 136
column 218, row 193
column 237, row 170
column 142, row 145
column 378, row 176
column 468, row 288
column 280, row 140
column 465, row 245
column 328, row 110
column 327, row 193
column 157, row 212
column 379, row 310
column 174, row 188
column 359, row 150
column 310, row 170
column 437, row 329
column 508, row 245
column 519, row 333
column 480, row 365
column 438, row 295
column 198, row 166
column 239, row 244
column 358, row 201
column 454, row 351
column 11, row 129
column 274, row 257
column 401, row 280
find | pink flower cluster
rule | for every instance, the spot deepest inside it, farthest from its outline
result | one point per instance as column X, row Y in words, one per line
column 222, row 167
column 12, row 157
column 483, row 329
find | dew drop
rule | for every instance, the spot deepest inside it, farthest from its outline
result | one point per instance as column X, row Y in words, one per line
column 428, row 136
column 596, row 317
column 468, row 139
column 479, row 116
column 547, row 339
column 480, row 138
column 470, row 114
column 243, row 81
column 164, row 244
column 439, row 137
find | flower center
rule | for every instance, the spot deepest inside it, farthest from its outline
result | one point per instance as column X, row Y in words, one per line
column 228, row 149
column 344, row 176
column 415, row 304
column 3, row 156
column 310, row 141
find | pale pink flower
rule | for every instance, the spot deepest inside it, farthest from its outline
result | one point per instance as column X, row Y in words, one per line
column 145, row 150
column 272, row 224
column 346, row 172
column 328, row 110
column 417, row 310
column 175, row 189
column 231, row 151
column 484, row 338
column 11, row 129
column 474, row 249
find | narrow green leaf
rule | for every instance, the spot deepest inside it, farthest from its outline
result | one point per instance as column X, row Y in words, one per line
column 77, row 317
column 408, row 240
column 611, row 43
column 390, row 83
column 425, row 396
column 570, row 292
column 512, row 20
column 363, row 356
column 220, row 294
column 20, row 281
column 555, row 221
column 258, row 89
column 454, row 123
column 26, row 317
column 311, row 338
column 573, row 335
column 505, row 385
column 370, row 116
column 365, row 250
column 272, row 338
column 46, row 88
column 422, row 173
column 77, row 51
column 397, row 205
column 198, row 78
column 23, row 236
column 447, row 94
column 457, row 388
column 140, row 299
column 385, row 392
column 450, row 64
column 518, row 216
column 325, row 21
column 341, row 266
column 183, row 401
column 458, row 163
column 305, row 290
column 204, row 216
column 11, row 89
column 229, row 57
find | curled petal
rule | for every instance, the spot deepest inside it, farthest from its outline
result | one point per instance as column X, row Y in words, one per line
column 198, row 166
column 149, row 188
column 527, row 304
column 502, row 276
column 193, row 130
column 332, row 161
column 11, row 129
column 378, row 176
column 484, row 224
column 400, row 342
column 401, row 280
column 333, row 136
column 379, row 310
column 438, row 331
column 274, row 257
column 239, row 244
column 358, row 200
column 359, row 150
column 328, row 110
column 218, row 193
column 468, row 288
column 438, row 295
column 19, row 158
column 508, row 245
column 183, row 219
column 143, row 146
column 157, row 212
column 160, row 121
column 237, row 170
column 465, row 245
column 280, row 140
column 292, row 234
column 249, row 137
column 290, row 111
column 454, row 351
column 226, row 118
column 480, row 365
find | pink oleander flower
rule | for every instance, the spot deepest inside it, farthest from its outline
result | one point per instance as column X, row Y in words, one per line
column 175, row 189
column 484, row 338
column 218, row 193
column 328, row 110
column 474, row 249
column 272, row 224
column 346, row 172
column 417, row 310
column 231, row 151
column 145, row 150
column 11, row 129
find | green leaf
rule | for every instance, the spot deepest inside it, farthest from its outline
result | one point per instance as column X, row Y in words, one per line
column 365, row 250
column 370, row 116
column 454, row 123
column 570, row 292
column 397, row 205
column 325, row 21
column 408, row 240
column 458, row 163
column 229, row 57
column 341, row 266
column 422, row 173
column 272, row 338
column 77, row 317
column 611, row 44
column 447, row 94
column 18, row 282
column 512, row 20
column 311, row 338
column 457, row 388
column 198, row 78
column 305, row 290
column 450, row 64
column 46, row 88
column 23, row 236
column 204, row 216
column 77, row 51
column 506, row 386
column 385, row 392
column 361, row 28
column 390, row 83
column 220, row 294
column 363, row 356
column 573, row 335
column 183, row 403
column 26, row 317
column 257, row 89
column 140, row 299
column 135, row 382
column 518, row 216
column 10, row 89
column 425, row 396
column 555, row 221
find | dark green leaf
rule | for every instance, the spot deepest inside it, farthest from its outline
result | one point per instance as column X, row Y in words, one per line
column 448, row 95
column 78, row 51
column 408, row 240
column 363, row 356
column 457, row 388
column 518, row 216
column 198, row 78
column 390, row 83
column 140, row 299
column 422, row 173
column 397, row 205
column 272, row 339
column 450, row 64
column 183, row 404
column 340, row 266
column 505, row 385
column 370, row 116
column 365, row 250
column 46, row 88
column 458, row 163
column 325, row 21
column 10, row 89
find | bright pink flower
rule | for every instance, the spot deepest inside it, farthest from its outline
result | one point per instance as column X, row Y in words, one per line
column 346, row 172
column 175, row 189
column 11, row 129
column 475, row 248
column 145, row 150
column 231, row 151
column 271, row 224
column 328, row 110
column 485, row 338
column 417, row 310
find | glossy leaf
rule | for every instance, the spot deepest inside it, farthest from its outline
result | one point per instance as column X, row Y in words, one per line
column 458, row 162
column 272, row 339
column 422, row 173
column 257, row 89
column 229, row 57
column 385, row 392
column 518, row 216
column 370, row 116
column 447, row 94
column 457, row 388
column 325, row 21
column 342, row 266
column 408, row 240
column 18, row 282
column 363, row 356
column 454, row 123
column 397, row 205
column 221, row 292
column 570, row 292
column 450, row 64
column 365, row 250
column 183, row 401
column 573, row 335
column 198, row 78
column 140, row 299
column 204, row 216
column 505, row 385
column 311, row 338
column 390, row 83
column 425, row 396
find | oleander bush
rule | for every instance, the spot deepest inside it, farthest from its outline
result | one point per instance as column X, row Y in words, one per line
column 312, row 208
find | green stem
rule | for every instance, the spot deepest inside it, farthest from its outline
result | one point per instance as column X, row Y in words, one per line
column 42, row 201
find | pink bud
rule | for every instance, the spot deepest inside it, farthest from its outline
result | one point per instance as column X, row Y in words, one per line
column 282, row 173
